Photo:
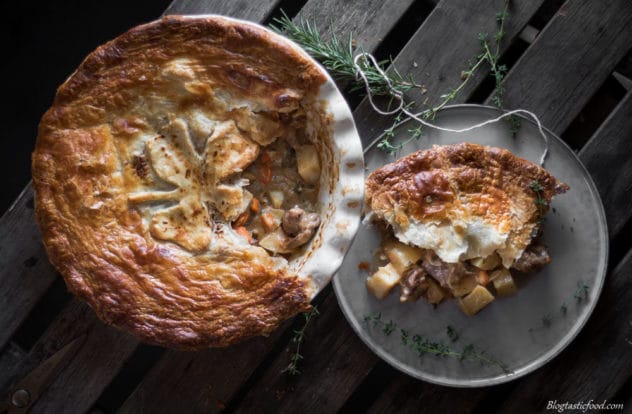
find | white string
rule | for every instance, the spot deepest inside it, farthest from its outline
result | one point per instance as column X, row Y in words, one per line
column 398, row 96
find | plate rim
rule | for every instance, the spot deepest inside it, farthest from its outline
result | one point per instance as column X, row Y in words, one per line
column 564, row 341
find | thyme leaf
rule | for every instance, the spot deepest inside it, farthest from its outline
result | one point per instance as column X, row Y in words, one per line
column 426, row 346
column 298, row 338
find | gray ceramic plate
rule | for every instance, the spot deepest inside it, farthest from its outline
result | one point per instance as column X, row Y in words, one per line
column 523, row 331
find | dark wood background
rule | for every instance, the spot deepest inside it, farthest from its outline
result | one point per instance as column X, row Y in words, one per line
column 570, row 62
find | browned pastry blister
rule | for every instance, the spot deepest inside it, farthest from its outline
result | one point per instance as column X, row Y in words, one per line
column 134, row 174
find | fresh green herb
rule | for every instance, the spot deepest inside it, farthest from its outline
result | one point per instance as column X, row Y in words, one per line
column 373, row 319
column 582, row 292
column 546, row 320
column 564, row 308
column 452, row 334
column 337, row 56
column 488, row 54
column 424, row 346
column 298, row 338
column 540, row 201
column 389, row 328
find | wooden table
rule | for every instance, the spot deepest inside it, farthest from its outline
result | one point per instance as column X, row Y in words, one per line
column 563, row 57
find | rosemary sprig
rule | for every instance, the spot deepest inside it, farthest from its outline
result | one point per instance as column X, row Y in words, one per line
column 337, row 56
column 424, row 346
column 298, row 338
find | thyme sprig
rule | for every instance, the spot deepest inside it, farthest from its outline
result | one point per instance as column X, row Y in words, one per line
column 580, row 295
column 298, row 339
column 540, row 202
column 337, row 56
column 425, row 346
column 489, row 54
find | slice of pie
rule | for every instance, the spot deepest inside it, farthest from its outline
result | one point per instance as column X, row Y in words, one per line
column 458, row 217
column 176, row 174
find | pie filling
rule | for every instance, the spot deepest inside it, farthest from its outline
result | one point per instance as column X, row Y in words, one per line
column 224, row 168
column 456, row 221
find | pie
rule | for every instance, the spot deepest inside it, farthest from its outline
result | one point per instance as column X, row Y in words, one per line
column 177, row 178
column 456, row 218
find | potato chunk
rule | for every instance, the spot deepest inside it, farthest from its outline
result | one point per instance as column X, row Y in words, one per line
column 382, row 281
column 487, row 263
column 308, row 163
column 505, row 285
column 401, row 255
column 467, row 284
column 476, row 300
column 500, row 273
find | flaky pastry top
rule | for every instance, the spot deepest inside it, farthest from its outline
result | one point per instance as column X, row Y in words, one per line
column 463, row 200
column 136, row 174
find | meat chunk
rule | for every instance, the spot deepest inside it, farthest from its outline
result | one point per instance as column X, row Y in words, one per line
column 534, row 258
column 448, row 275
column 414, row 284
column 300, row 226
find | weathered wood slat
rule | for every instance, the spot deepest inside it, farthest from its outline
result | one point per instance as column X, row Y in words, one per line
column 95, row 364
column 369, row 21
column 192, row 382
column 597, row 363
column 570, row 60
column 25, row 273
column 10, row 360
column 440, row 50
column 198, row 380
column 405, row 395
column 607, row 155
column 335, row 363
column 256, row 12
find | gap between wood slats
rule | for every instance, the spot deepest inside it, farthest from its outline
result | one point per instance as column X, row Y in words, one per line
column 509, row 58
column 398, row 36
column 538, row 21
column 288, row 7
column 42, row 315
column 130, row 375
column 602, row 103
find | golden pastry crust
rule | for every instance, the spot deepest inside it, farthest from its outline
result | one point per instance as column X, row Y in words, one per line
column 457, row 185
column 132, row 174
